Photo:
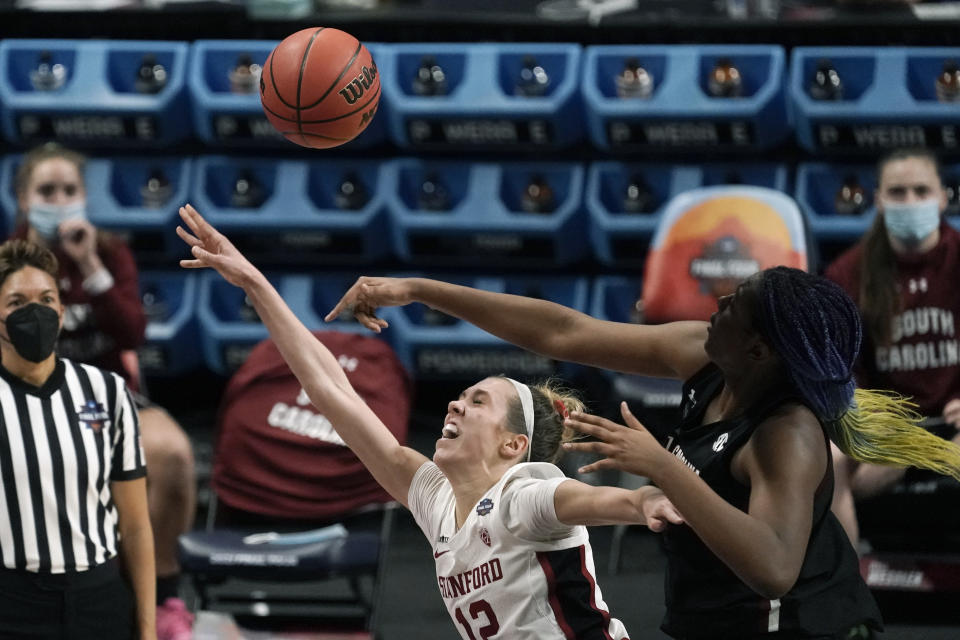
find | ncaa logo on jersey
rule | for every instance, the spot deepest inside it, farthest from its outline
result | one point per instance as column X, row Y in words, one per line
column 721, row 442
column 93, row 415
column 485, row 536
column 484, row 507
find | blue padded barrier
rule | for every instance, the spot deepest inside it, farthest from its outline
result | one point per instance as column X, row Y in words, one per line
column 173, row 338
column 620, row 237
column 480, row 108
column 436, row 346
column 229, row 325
column 680, row 114
column 224, row 118
column 484, row 219
column 889, row 100
column 98, row 103
column 818, row 185
column 294, row 221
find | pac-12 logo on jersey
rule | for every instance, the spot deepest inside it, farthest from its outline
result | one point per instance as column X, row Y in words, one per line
column 93, row 415
column 485, row 536
column 721, row 442
column 484, row 507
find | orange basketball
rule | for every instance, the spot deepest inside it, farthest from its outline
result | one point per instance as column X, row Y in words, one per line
column 320, row 87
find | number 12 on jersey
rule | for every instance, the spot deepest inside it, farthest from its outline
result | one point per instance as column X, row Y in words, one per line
column 476, row 608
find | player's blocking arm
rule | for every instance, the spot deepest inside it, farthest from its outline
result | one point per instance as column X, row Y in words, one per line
column 579, row 503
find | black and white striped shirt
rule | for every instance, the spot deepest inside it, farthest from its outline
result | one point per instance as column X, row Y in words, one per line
column 60, row 447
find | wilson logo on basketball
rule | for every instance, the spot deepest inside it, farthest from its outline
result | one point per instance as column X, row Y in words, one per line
column 355, row 89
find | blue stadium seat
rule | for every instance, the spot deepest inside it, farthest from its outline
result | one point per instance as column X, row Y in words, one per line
column 889, row 100
column 119, row 200
column 285, row 212
column 173, row 340
column 680, row 114
column 93, row 98
column 473, row 102
column 8, row 194
column 482, row 216
column 818, row 186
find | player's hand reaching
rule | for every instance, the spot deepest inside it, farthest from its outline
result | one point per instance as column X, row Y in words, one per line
column 368, row 294
column 210, row 248
column 658, row 510
column 629, row 448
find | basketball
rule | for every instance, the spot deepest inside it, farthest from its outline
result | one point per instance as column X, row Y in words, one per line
column 320, row 87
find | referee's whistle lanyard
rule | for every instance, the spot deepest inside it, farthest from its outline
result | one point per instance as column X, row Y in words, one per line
column 33, row 331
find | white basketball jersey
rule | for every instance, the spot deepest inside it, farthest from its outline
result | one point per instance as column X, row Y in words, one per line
column 498, row 585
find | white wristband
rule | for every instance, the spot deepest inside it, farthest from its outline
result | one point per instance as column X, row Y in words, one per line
column 98, row 282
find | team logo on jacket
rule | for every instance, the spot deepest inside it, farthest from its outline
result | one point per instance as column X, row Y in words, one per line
column 93, row 415
column 485, row 536
column 484, row 507
column 721, row 442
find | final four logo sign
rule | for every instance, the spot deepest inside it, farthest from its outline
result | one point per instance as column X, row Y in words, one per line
column 93, row 416
column 484, row 507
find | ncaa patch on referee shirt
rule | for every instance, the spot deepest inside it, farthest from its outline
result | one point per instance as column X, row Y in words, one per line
column 93, row 415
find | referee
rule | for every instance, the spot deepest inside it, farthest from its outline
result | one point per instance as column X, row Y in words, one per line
column 72, row 477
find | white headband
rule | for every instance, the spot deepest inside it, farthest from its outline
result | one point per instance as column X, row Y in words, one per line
column 526, row 403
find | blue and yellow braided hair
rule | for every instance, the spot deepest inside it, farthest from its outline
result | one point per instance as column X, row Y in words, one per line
column 816, row 329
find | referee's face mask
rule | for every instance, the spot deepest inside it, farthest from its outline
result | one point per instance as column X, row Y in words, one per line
column 33, row 331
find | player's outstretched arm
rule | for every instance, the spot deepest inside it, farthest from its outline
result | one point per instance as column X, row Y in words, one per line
column 672, row 350
column 579, row 503
column 311, row 362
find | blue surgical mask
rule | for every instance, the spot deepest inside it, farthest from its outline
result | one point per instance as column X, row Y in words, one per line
column 46, row 218
column 911, row 222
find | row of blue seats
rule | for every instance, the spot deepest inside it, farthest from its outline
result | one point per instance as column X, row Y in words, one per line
column 199, row 320
column 701, row 96
column 440, row 213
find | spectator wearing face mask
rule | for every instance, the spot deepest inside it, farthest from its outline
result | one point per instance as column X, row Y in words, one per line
column 903, row 274
column 103, row 324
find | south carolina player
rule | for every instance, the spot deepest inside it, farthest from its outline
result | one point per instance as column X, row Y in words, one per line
column 513, row 557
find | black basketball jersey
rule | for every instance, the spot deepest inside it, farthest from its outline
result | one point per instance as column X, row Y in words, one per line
column 704, row 598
